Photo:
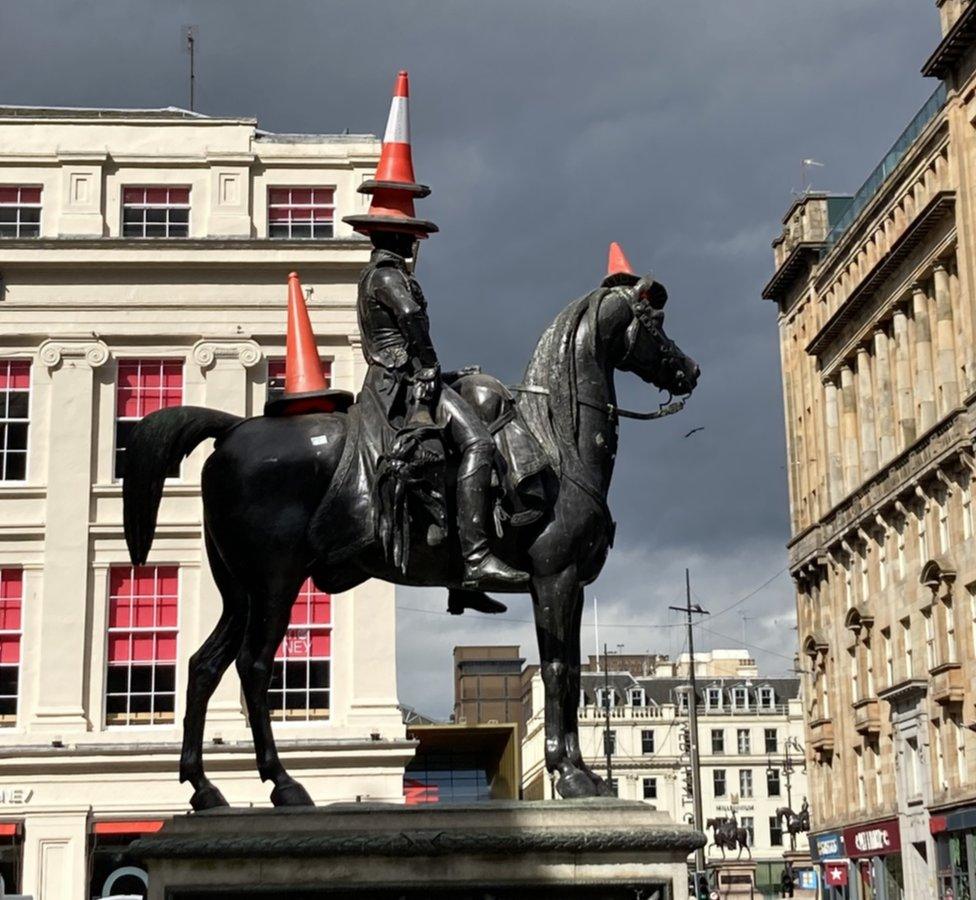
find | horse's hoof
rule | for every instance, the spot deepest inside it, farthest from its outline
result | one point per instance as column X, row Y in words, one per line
column 576, row 784
column 207, row 797
column 291, row 794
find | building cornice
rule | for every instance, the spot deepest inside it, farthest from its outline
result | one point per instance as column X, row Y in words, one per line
column 907, row 689
column 800, row 259
column 956, row 42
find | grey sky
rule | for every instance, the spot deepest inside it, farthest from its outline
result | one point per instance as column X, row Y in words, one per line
column 547, row 130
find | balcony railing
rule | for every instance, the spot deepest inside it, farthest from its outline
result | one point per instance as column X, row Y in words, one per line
column 888, row 164
column 620, row 712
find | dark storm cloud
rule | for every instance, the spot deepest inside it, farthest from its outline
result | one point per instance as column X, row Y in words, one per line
column 547, row 130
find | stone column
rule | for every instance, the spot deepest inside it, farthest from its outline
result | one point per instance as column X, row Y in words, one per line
column 835, row 466
column 905, row 395
column 865, row 396
column 62, row 665
column 224, row 363
column 924, row 380
column 55, row 855
column 885, row 401
column 849, row 428
column 948, row 379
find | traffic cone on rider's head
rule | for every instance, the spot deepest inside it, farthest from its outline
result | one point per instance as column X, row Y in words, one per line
column 619, row 271
column 394, row 185
column 306, row 389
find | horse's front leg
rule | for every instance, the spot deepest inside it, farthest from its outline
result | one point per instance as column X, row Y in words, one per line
column 554, row 599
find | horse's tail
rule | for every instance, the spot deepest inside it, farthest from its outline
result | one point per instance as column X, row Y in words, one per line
column 157, row 444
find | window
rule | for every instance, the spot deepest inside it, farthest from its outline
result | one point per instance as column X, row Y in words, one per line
column 683, row 697
column 718, row 782
column 142, row 626
column 772, row 782
column 861, row 784
column 883, row 559
column 929, row 626
column 944, row 524
column 609, row 742
column 767, row 700
column 14, row 418
column 650, row 789
column 749, row 824
column 300, row 212
column 606, row 698
column 144, row 385
column 301, row 678
column 906, row 638
column 769, row 738
column 11, row 598
column 775, row 831
column 713, row 698
column 718, row 741
column 155, row 212
column 902, row 561
column 636, row 697
column 20, row 211
column 647, row 741
column 967, row 509
column 745, row 782
column 923, row 544
column 740, row 698
column 889, row 656
column 950, row 630
column 743, row 740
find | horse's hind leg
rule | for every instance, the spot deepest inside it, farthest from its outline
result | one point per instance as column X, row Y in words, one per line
column 206, row 668
column 266, row 628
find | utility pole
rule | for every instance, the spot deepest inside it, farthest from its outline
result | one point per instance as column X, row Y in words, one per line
column 190, row 33
column 688, row 609
column 607, row 748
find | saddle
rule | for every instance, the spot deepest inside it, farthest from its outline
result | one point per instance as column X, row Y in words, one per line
column 397, row 480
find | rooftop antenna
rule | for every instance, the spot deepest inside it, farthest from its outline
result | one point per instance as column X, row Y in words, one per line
column 805, row 167
column 189, row 35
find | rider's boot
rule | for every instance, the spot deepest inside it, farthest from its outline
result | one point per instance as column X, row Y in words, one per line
column 482, row 569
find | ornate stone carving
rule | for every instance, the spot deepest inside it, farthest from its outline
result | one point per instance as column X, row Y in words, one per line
column 92, row 350
column 206, row 352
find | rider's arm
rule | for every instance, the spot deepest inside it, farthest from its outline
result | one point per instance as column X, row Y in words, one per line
column 393, row 292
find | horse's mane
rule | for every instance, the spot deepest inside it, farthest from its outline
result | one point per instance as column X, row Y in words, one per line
column 553, row 416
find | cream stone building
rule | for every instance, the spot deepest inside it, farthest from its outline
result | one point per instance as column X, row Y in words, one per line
column 143, row 263
column 750, row 727
column 876, row 294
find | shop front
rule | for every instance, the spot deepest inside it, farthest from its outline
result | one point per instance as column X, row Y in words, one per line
column 955, row 853
column 827, row 850
column 875, row 852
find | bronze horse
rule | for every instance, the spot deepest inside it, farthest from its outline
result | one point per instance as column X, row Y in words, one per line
column 727, row 833
column 268, row 475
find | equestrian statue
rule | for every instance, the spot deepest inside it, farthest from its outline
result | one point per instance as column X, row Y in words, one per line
column 728, row 834
column 796, row 823
column 426, row 478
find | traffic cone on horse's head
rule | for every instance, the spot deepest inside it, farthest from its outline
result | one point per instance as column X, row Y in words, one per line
column 306, row 389
column 394, row 185
column 619, row 271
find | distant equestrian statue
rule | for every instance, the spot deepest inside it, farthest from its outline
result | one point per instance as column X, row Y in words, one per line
column 727, row 834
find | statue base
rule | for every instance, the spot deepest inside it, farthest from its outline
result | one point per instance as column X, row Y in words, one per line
column 733, row 877
column 600, row 849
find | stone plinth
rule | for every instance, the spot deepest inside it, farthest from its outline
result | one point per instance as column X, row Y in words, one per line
column 733, row 877
column 506, row 849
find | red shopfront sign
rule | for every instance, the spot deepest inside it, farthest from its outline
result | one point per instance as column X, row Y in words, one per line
column 876, row 839
column 835, row 874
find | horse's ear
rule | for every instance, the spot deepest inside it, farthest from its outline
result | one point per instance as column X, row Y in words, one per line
column 651, row 292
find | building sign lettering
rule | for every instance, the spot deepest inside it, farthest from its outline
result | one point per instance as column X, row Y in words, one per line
column 15, row 795
column 877, row 839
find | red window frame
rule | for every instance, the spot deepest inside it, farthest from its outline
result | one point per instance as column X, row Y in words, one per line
column 155, row 211
column 20, row 211
column 276, row 376
column 11, row 632
column 144, row 386
column 301, row 681
column 15, row 384
column 301, row 212
column 142, row 633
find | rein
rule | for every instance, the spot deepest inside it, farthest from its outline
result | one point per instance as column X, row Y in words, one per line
column 610, row 409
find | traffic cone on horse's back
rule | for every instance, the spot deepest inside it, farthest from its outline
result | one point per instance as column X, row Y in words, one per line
column 394, row 185
column 619, row 271
column 306, row 389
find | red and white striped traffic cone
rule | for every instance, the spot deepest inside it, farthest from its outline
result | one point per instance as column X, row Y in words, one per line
column 394, row 185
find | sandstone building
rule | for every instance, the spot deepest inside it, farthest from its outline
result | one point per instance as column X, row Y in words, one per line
column 750, row 728
column 876, row 295
column 143, row 263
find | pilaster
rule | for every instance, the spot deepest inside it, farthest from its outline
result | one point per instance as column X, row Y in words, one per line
column 884, row 401
column 849, row 428
column 835, row 467
column 945, row 341
column 924, row 380
column 865, row 395
column 55, row 856
column 63, row 665
column 903, row 380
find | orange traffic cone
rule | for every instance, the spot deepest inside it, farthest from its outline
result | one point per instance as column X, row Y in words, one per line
column 306, row 389
column 394, row 185
column 619, row 271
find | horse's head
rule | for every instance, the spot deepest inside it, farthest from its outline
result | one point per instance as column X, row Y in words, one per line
column 648, row 352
